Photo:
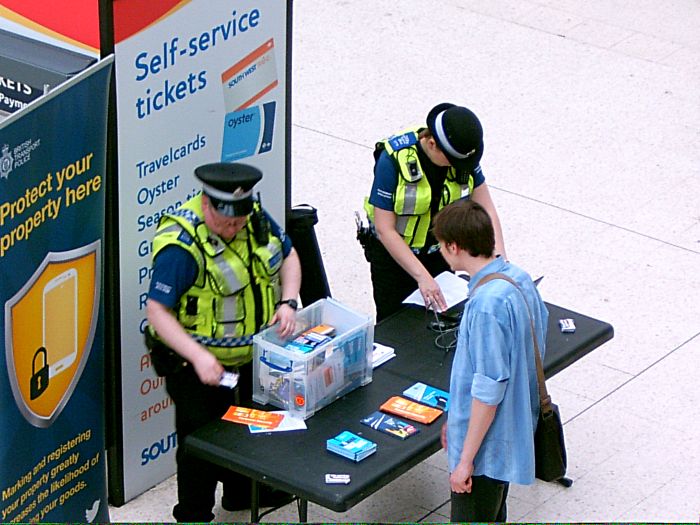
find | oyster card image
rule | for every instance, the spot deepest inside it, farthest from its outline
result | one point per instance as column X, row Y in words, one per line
column 248, row 132
column 249, row 124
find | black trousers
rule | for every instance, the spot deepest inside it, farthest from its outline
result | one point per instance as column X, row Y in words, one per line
column 486, row 501
column 390, row 283
column 197, row 404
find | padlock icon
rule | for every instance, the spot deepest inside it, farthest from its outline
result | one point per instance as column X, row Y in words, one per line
column 40, row 378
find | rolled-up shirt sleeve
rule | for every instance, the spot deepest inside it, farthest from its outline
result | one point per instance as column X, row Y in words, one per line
column 489, row 352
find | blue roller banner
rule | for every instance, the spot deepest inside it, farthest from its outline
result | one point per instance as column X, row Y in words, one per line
column 52, row 187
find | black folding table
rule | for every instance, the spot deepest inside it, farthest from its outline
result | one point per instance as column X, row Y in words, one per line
column 297, row 461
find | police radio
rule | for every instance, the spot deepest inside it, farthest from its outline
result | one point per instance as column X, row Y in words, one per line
column 462, row 176
column 261, row 227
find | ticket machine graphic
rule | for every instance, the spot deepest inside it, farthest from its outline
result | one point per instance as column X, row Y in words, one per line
column 49, row 330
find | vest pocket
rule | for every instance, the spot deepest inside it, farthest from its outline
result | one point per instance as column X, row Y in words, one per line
column 190, row 316
column 268, row 260
column 273, row 293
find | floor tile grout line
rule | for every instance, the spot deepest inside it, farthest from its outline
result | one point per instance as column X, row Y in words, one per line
column 532, row 199
column 635, row 376
column 330, row 135
column 600, row 221
column 433, row 511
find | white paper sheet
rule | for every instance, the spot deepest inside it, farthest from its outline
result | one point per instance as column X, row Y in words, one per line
column 381, row 354
column 288, row 423
column 454, row 289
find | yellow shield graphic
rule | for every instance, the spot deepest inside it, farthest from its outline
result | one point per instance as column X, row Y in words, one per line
column 49, row 329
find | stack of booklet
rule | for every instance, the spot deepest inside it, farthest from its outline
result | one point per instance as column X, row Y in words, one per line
column 311, row 338
column 351, row 446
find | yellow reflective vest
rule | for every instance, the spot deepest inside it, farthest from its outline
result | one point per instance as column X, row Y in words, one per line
column 237, row 285
column 413, row 194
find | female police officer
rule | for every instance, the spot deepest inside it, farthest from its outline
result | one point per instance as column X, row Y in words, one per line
column 416, row 173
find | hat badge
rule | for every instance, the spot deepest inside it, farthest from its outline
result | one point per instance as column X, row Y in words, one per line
column 239, row 193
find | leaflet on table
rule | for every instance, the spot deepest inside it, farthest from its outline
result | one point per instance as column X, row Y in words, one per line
column 351, row 446
column 403, row 407
column 390, row 425
column 454, row 288
column 381, row 354
column 288, row 423
column 252, row 416
column 428, row 395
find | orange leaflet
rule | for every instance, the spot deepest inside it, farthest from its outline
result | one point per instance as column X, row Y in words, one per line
column 410, row 410
column 251, row 416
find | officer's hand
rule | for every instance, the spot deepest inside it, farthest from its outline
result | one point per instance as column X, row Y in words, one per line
column 432, row 295
column 208, row 368
column 286, row 316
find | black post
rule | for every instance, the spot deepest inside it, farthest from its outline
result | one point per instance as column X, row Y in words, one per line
column 300, row 227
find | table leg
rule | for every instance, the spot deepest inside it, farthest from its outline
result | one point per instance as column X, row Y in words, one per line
column 303, row 508
column 254, row 501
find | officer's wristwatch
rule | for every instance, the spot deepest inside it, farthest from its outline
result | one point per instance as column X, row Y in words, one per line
column 291, row 302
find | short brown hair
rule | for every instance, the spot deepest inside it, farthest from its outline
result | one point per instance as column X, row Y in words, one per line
column 467, row 224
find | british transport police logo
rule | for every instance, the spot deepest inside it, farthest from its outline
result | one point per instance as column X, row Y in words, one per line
column 6, row 162
column 50, row 326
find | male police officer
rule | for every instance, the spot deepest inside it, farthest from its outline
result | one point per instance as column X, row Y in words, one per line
column 416, row 173
column 222, row 270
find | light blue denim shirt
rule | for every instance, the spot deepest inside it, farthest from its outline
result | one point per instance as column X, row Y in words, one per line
column 495, row 363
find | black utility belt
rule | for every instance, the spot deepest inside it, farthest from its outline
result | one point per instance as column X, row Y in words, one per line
column 164, row 359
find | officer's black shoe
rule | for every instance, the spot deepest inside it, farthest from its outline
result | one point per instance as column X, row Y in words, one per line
column 268, row 497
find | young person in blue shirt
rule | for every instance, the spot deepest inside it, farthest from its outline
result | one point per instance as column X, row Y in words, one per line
column 416, row 173
column 494, row 400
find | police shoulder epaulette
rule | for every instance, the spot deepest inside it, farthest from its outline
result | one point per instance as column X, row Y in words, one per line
column 398, row 142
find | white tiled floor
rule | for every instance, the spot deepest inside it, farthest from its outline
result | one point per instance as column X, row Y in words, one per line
column 591, row 112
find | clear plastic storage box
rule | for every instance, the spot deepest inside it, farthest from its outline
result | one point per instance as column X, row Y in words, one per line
column 304, row 382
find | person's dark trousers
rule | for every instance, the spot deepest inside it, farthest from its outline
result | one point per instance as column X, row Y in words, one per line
column 486, row 501
column 390, row 283
column 195, row 405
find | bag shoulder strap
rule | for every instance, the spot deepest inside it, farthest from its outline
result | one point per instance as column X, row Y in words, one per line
column 545, row 399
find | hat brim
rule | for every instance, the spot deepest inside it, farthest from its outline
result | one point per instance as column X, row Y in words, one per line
column 469, row 164
column 238, row 208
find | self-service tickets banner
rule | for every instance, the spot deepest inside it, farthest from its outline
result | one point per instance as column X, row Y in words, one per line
column 197, row 81
column 52, row 176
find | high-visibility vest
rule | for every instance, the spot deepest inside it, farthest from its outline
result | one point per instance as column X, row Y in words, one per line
column 237, row 285
column 413, row 194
